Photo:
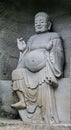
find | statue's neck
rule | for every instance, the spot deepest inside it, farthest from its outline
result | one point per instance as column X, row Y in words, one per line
column 46, row 31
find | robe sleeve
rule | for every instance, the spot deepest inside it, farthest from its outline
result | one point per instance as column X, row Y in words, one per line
column 56, row 57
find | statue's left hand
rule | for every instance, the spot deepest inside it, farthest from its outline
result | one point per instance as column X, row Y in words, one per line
column 49, row 45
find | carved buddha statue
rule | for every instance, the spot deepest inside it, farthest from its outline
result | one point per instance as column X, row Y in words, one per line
column 39, row 67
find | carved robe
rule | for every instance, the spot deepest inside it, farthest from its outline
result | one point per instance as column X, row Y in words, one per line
column 37, row 81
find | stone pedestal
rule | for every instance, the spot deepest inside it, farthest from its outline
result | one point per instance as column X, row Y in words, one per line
column 19, row 125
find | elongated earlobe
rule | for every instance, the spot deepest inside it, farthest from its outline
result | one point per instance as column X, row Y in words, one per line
column 49, row 25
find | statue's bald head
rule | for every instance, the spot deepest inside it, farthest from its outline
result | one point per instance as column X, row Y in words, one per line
column 42, row 22
column 43, row 14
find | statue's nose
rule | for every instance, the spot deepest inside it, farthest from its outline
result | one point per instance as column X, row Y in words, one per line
column 39, row 23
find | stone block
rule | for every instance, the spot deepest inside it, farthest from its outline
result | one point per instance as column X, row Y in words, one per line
column 19, row 125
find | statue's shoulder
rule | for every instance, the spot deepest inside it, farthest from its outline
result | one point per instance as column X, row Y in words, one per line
column 54, row 35
column 32, row 37
column 29, row 41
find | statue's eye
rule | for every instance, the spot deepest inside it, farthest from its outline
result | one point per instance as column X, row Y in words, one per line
column 36, row 23
column 42, row 22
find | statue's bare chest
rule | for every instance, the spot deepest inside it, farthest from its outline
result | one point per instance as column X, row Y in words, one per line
column 39, row 41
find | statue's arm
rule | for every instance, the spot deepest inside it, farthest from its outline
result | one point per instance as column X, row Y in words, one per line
column 57, row 57
column 22, row 51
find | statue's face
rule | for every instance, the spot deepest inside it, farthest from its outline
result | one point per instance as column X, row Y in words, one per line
column 40, row 24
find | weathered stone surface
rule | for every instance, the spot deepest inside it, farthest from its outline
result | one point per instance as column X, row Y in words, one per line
column 6, row 98
column 19, row 125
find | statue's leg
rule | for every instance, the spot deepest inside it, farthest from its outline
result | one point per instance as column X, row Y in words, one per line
column 21, row 104
column 19, row 90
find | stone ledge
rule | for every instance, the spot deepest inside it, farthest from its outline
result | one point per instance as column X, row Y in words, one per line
column 6, row 124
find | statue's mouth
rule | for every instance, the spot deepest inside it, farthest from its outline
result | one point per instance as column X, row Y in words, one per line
column 39, row 27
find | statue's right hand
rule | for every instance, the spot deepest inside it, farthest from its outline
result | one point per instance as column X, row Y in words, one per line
column 21, row 44
column 19, row 40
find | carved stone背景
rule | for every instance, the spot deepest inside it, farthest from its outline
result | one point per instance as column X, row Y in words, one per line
column 36, row 76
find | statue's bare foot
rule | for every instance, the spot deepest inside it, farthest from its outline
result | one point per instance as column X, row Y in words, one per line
column 19, row 105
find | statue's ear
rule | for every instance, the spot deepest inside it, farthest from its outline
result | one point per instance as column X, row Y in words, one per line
column 17, row 41
column 49, row 25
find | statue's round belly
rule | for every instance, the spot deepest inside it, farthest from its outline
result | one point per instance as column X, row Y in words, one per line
column 35, row 60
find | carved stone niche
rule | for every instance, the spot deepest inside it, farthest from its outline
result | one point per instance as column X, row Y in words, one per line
column 42, row 104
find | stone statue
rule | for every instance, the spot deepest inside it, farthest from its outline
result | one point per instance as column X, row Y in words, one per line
column 39, row 67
